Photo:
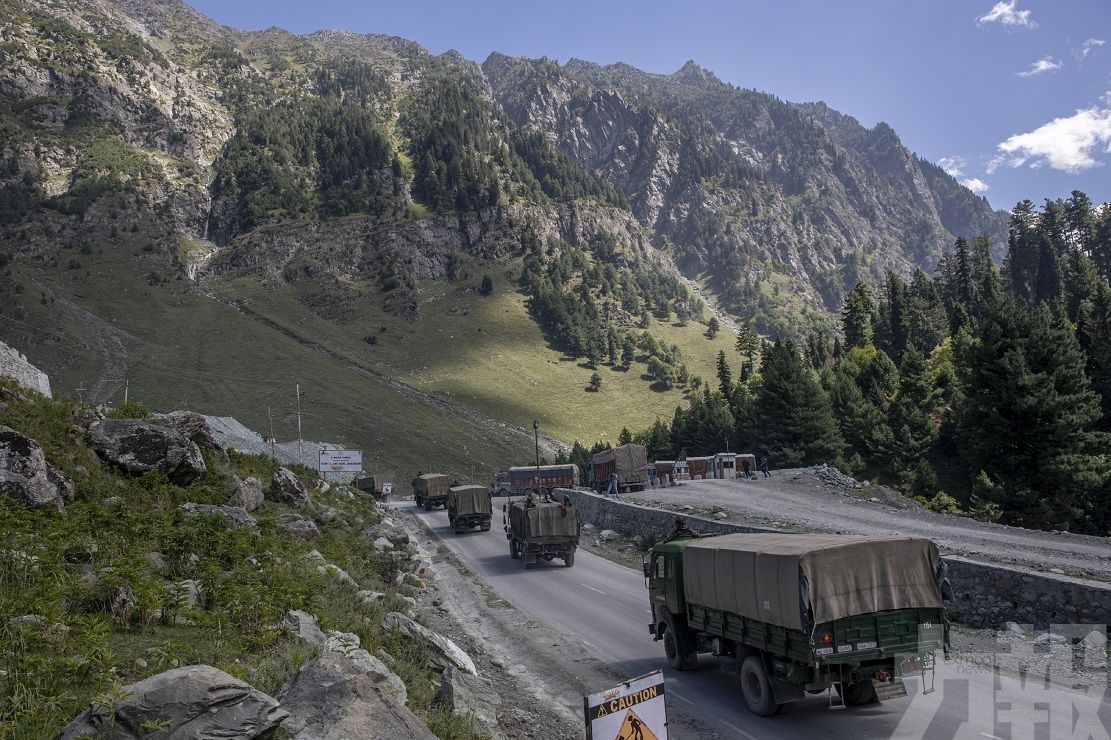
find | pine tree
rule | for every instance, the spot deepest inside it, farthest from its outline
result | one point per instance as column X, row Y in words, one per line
column 858, row 316
column 1029, row 416
column 628, row 352
column 713, row 327
column 595, row 382
column 625, row 437
column 912, row 415
column 487, row 287
column 748, row 341
column 794, row 422
column 725, row 375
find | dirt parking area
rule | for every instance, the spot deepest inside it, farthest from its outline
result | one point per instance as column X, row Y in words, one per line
column 800, row 500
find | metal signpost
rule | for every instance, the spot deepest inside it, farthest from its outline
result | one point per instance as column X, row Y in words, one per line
column 632, row 711
column 340, row 461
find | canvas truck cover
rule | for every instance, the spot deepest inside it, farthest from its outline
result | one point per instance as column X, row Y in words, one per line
column 434, row 484
column 630, row 461
column 374, row 482
column 760, row 576
column 469, row 499
column 544, row 520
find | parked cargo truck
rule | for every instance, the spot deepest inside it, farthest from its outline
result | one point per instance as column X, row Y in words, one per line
column 468, row 507
column 797, row 614
column 521, row 479
column 630, row 462
column 430, row 490
column 540, row 529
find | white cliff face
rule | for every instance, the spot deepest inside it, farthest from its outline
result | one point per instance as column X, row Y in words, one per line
column 15, row 366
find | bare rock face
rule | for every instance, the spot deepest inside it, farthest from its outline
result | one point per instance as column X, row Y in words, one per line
column 26, row 476
column 192, row 426
column 247, row 494
column 236, row 517
column 139, row 447
column 332, row 698
column 288, row 490
column 14, row 365
column 197, row 701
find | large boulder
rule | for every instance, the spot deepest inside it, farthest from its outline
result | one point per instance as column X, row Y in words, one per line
column 332, row 698
column 298, row 526
column 25, row 474
column 139, row 447
column 387, row 530
column 247, row 494
column 465, row 695
column 447, row 652
column 304, row 626
column 288, row 490
column 236, row 517
column 196, row 701
column 192, row 426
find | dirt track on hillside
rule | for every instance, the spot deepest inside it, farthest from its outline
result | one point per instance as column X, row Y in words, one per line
column 796, row 500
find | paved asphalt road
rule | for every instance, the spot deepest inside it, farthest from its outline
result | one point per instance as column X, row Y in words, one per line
column 605, row 606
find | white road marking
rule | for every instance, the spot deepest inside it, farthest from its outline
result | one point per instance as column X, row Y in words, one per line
column 595, row 589
column 993, row 737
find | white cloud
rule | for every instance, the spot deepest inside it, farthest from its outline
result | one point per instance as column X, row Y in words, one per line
column 1005, row 12
column 1089, row 46
column 976, row 185
column 954, row 166
column 1045, row 64
column 1067, row 144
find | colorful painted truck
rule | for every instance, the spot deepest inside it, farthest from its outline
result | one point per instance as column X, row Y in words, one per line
column 630, row 462
column 468, row 507
column 430, row 490
column 550, row 476
column 797, row 614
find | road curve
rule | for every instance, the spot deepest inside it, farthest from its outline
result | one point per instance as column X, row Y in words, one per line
column 604, row 606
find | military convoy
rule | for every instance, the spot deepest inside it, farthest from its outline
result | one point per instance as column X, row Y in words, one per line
column 468, row 507
column 430, row 490
column 797, row 614
column 379, row 485
column 539, row 528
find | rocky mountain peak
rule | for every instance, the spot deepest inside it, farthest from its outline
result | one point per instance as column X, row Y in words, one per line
column 693, row 74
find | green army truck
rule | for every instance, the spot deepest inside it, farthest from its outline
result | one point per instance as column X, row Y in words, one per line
column 430, row 490
column 468, row 507
column 541, row 529
column 797, row 614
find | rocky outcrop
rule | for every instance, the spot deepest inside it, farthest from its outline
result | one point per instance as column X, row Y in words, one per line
column 465, row 695
column 236, row 517
column 288, row 490
column 196, row 701
column 139, row 447
column 447, row 652
column 15, row 366
column 304, row 626
column 247, row 494
column 192, row 426
column 26, row 476
column 332, row 698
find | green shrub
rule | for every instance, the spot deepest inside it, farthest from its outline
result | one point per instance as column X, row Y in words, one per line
column 129, row 410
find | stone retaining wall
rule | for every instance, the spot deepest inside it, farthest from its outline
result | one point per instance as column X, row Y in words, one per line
column 987, row 595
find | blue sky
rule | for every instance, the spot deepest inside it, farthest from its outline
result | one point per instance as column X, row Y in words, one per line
column 1014, row 97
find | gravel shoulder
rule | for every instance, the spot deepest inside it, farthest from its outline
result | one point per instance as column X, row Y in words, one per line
column 798, row 500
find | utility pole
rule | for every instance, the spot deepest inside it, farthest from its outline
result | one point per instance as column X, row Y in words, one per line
column 79, row 390
column 125, row 384
column 273, row 442
column 300, row 455
column 536, row 438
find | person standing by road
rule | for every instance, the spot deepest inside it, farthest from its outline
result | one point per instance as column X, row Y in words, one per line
column 612, row 490
column 764, row 466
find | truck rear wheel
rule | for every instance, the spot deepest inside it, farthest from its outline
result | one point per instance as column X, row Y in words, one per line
column 757, row 688
column 857, row 694
column 428, row 504
column 514, row 551
column 679, row 645
column 569, row 559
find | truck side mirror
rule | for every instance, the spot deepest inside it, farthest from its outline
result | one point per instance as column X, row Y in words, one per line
column 647, row 566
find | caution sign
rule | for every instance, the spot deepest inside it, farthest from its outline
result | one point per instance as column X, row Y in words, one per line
column 634, row 710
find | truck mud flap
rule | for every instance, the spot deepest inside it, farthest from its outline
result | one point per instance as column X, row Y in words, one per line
column 893, row 690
